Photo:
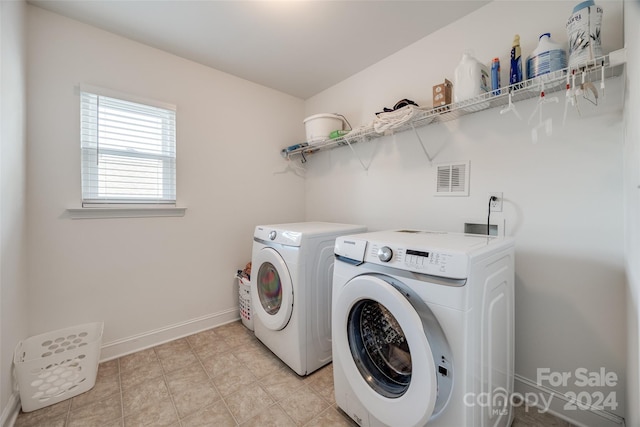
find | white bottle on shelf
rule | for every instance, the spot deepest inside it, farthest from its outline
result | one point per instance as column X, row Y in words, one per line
column 471, row 78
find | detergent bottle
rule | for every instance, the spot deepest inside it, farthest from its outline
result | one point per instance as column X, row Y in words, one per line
column 471, row 78
column 549, row 56
column 583, row 31
column 515, row 71
column 495, row 76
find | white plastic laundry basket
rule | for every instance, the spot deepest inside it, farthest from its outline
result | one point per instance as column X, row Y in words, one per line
column 57, row 365
column 244, row 302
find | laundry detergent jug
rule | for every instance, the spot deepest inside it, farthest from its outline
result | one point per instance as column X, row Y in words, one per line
column 471, row 78
column 549, row 56
column 583, row 31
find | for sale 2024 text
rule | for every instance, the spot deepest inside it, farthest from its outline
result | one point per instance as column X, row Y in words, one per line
column 582, row 377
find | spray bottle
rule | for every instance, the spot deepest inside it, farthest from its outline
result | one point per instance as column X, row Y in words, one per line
column 515, row 73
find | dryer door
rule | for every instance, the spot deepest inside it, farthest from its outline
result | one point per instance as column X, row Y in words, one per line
column 272, row 294
column 389, row 362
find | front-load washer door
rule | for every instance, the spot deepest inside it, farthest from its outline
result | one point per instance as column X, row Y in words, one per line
column 388, row 361
column 273, row 293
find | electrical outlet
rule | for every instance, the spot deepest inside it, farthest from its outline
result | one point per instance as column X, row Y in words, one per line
column 496, row 205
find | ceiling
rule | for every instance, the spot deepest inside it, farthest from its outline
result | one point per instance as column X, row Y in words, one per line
column 297, row 47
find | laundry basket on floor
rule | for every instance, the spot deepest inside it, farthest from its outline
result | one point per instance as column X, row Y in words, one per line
column 57, row 365
column 244, row 302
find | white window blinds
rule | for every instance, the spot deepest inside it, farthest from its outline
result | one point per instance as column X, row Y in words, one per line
column 128, row 151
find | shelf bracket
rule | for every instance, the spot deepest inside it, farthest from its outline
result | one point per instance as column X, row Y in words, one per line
column 365, row 167
column 426, row 153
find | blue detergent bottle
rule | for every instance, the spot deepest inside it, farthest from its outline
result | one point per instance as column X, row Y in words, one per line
column 515, row 72
column 495, row 76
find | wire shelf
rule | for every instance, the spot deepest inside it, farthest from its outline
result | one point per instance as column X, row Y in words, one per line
column 532, row 88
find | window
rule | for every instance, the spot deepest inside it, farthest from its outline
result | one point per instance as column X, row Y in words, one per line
column 128, row 151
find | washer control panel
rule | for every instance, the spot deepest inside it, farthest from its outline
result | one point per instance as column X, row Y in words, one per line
column 437, row 263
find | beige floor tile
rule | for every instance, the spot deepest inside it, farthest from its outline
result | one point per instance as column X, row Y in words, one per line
column 272, row 416
column 182, row 379
column 533, row 417
column 202, row 338
column 304, row 405
column 261, row 362
column 176, row 346
column 324, row 373
column 241, row 340
column 97, row 413
column 49, row 421
column 237, row 379
column 208, row 343
column 109, row 368
column 161, row 413
column 194, row 398
column 255, row 344
column 327, row 393
column 219, row 364
column 281, row 383
column 175, row 355
column 248, row 403
column 135, row 361
column 321, row 382
column 216, row 415
column 106, row 385
column 145, row 395
column 235, row 334
column 232, row 329
column 331, row 418
column 133, row 377
column 219, row 378
column 51, row 413
column 139, row 367
column 115, row 423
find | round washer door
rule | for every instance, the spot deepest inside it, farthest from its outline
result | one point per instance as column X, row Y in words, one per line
column 385, row 353
column 272, row 294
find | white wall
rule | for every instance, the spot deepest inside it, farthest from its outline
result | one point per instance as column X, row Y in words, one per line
column 150, row 274
column 563, row 196
column 13, row 277
column 632, row 207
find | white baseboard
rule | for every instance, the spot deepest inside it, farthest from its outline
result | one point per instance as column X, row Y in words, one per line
column 590, row 417
column 124, row 346
column 10, row 411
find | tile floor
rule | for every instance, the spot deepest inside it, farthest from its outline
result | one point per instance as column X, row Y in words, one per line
column 220, row 377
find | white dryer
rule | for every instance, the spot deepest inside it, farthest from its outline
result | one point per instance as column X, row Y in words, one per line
column 423, row 329
column 292, row 271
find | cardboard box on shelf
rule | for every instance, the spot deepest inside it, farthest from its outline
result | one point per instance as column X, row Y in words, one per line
column 442, row 94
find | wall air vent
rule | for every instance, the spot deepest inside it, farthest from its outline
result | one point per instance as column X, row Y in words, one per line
column 452, row 179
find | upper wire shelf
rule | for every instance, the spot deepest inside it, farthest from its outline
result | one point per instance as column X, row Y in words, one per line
column 591, row 71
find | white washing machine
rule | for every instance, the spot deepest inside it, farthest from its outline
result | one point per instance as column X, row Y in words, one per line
column 423, row 329
column 292, row 271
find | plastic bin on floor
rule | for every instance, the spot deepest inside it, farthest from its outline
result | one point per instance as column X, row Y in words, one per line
column 244, row 302
column 57, row 365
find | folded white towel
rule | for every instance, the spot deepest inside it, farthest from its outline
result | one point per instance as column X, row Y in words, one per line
column 393, row 119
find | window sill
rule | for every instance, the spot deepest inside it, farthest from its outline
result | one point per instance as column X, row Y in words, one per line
column 132, row 212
